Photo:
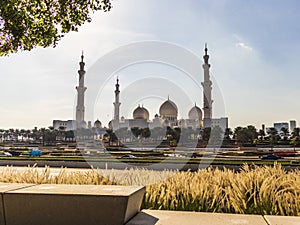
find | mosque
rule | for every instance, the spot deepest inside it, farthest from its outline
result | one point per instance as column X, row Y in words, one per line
column 168, row 116
column 168, row 111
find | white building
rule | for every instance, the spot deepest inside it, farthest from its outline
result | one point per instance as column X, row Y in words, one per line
column 279, row 126
column 292, row 125
column 64, row 125
column 168, row 111
column 220, row 122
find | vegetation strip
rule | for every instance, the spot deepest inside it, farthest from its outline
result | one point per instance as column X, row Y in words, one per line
column 239, row 162
column 267, row 190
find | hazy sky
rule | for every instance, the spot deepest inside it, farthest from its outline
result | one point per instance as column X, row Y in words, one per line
column 254, row 51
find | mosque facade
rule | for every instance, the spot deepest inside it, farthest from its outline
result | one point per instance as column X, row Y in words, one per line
column 168, row 111
column 167, row 115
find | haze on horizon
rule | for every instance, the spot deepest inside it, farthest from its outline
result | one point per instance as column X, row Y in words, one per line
column 253, row 47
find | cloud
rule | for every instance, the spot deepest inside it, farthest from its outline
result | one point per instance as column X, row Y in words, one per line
column 244, row 46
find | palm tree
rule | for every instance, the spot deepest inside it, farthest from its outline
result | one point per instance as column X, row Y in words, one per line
column 70, row 135
column 42, row 131
column 206, row 133
column 23, row 134
column 146, row 133
column 235, row 133
column 112, row 138
column 285, row 132
column 1, row 135
column 28, row 134
column 136, row 132
column 36, row 134
column 176, row 134
column 157, row 133
column 294, row 143
column 122, row 133
column 273, row 133
column 296, row 133
column 215, row 138
column 61, row 133
column 184, row 136
column 227, row 134
column 261, row 134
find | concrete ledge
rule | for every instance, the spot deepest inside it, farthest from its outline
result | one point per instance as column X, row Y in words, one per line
column 108, row 205
column 283, row 220
column 161, row 217
column 4, row 187
column 72, row 204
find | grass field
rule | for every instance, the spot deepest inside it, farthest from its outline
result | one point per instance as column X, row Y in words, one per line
column 212, row 161
column 254, row 190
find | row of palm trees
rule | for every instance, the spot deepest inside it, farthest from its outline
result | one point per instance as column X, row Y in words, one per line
column 171, row 136
column 44, row 136
column 251, row 135
column 240, row 135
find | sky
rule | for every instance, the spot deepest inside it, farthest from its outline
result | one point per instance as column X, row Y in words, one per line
column 254, row 51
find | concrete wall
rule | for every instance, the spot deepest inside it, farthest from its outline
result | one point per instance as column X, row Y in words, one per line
column 46, row 204
column 69, row 204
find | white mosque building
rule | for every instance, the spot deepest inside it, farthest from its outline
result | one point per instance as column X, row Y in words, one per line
column 168, row 116
column 168, row 111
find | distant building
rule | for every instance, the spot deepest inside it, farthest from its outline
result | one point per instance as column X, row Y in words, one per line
column 65, row 125
column 279, row 126
column 292, row 125
column 263, row 128
column 221, row 122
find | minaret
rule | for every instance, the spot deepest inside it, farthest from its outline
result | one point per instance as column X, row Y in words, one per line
column 80, row 94
column 117, row 103
column 207, row 88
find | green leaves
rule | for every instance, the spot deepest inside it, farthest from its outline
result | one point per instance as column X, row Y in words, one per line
column 29, row 23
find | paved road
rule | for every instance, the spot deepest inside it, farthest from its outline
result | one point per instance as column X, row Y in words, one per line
column 107, row 165
column 118, row 165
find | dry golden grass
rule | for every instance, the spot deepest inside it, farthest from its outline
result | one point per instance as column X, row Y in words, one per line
column 255, row 190
column 259, row 190
column 64, row 176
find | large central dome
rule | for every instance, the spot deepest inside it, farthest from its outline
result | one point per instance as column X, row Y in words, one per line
column 168, row 109
column 141, row 113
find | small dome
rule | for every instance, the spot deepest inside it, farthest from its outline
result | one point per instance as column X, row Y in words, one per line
column 97, row 124
column 168, row 108
column 141, row 113
column 195, row 113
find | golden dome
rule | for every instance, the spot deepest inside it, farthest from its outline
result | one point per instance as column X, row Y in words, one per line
column 195, row 113
column 141, row 113
column 168, row 109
